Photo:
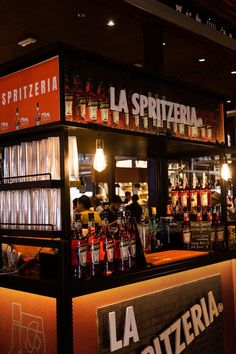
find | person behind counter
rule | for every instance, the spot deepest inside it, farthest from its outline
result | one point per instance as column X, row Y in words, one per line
column 84, row 208
column 135, row 208
column 128, row 197
column 112, row 210
column 96, row 204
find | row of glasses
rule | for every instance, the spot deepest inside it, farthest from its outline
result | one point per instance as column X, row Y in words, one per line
column 35, row 209
column 41, row 157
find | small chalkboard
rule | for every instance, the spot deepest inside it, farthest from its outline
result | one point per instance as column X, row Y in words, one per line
column 200, row 235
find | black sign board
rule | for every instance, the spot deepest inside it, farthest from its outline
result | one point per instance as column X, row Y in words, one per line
column 186, row 318
column 200, row 235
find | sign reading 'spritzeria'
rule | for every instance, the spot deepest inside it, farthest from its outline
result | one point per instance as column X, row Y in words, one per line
column 183, row 319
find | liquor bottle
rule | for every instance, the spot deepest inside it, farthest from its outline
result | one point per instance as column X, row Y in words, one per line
column 74, row 242
column 155, row 232
column 93, row 248
column 219, row 231
column 68, row 100
column 79, row 100
column 106, row 248
column 115, row 114
column 199, row 213
column 37, row 115
column 186, row 231
column 209, row 214
column 126, row 122
column 121, row 245
column 82, row 250
column 91, row 102
column 214, row 223
column 132, row 240
column 103, row 104
column 144, row 120
column 17, row 120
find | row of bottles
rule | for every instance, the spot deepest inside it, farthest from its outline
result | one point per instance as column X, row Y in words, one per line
column 191, row 195
column 85, row 102
column 22, row 122
column 217, row 241
column 97, row 253
column 175, row 233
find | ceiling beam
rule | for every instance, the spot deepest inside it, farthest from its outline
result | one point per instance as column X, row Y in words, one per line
column 168, row 14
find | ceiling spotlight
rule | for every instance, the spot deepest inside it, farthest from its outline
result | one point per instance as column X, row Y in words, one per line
column 202, row 60
column 228, row 101
column 233, row 72
column 27, row 41
column 81, row 15
column 164, row 43
column 111, row 23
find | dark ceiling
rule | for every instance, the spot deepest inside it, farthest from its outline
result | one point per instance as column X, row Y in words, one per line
column 57, row 20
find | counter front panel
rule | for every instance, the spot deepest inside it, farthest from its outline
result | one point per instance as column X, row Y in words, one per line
column 184, row 312
column 27, row 323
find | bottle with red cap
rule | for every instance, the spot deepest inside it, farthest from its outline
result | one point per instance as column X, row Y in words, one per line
column 91, row 102
column 121, row 240
column 106, row 248
column 81, row 250
column 93, row 248
column 79, row 111
column 132, row 239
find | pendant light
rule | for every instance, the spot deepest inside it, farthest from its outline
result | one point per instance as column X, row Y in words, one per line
column 99, row 163
column 225, row 171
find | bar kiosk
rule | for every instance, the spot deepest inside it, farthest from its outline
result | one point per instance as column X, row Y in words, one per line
column 54, row 105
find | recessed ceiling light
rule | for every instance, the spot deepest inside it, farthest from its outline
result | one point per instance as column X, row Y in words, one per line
column 163, row 43
column 233, row 72
column 27, row 41
column 81, row 15
column 111, row 23
column 228, row 101
column 202, row 60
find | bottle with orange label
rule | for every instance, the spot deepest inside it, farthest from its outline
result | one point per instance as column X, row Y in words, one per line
column 106, row 248
column 103, row 104
column 93, row 248
column 79, row 110
column 17, row 120
column 91, row 102
column 68, row 100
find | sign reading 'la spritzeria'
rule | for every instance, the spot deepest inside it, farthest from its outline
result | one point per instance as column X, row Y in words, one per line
column 147, row 325
column 155, row 108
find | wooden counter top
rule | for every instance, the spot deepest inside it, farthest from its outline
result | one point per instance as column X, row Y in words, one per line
column 172, row 256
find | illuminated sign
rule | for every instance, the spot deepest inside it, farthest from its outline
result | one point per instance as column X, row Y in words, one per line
column 174, row 320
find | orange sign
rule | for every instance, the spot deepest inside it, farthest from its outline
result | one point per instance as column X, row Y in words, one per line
column 25, row 325
column 30, row 97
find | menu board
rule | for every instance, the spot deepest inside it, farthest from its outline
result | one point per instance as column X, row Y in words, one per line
column 200, row 235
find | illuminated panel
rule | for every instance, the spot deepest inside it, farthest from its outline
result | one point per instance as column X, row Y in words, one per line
column 85, row 307
column 27, row 323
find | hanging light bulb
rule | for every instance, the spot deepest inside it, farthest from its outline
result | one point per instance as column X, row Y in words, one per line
column 225, row 172
column 99, row 163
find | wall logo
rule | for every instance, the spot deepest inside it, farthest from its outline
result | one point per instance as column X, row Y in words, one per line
column 28, row 335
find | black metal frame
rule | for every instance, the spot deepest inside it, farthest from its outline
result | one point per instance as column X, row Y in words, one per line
column 63, row 288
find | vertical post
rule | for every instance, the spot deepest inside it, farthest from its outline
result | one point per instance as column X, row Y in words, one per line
column 111, row 175
column 158, row 184
column 64, row 301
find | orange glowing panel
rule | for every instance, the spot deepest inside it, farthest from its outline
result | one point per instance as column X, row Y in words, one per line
column 30, row 97
column 27, row 323
column 85, row 307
